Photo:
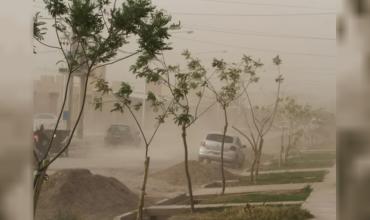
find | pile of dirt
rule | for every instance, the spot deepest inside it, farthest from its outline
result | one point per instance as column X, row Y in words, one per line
column 200, row 173
column 77, row 194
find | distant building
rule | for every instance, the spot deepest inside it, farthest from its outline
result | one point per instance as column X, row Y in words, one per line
column 47, row 93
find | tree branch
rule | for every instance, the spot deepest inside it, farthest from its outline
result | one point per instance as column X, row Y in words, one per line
column 252, row 112
column 163, row 115
column 137, row 124
column 120, row 59
column 203, row 112
column 244, row 135
column 47, row 45
column 271, row 120
column 198, row 103
column 64, row 98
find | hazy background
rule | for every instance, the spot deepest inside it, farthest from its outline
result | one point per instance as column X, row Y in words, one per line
column 221, row 28
column 262, row 29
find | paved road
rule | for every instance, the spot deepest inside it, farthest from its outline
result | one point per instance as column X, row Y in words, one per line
column 322, row 201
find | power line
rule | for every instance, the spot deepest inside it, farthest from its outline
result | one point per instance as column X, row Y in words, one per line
column 255, row 15
column 257, row 49
column 261, row 34
column 265, row 4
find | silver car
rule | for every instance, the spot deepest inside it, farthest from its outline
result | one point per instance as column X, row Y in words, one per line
column 210, row 149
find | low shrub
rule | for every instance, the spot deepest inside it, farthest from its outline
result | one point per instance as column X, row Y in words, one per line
column 251, row 213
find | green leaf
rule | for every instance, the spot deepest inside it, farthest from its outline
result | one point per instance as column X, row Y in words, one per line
column 138, row 106
column 117, row 107
column 56, row 7
column 98, row 103
column 276, row 60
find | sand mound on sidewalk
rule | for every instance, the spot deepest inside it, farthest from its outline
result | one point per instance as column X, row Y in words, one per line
column 77, row 194
column 200, row 173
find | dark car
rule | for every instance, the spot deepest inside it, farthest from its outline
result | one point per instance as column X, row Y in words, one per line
column 121, row 134
column 41, row 139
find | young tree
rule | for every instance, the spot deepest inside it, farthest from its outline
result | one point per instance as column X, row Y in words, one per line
column 185, row 87
column 321, row 127
column 258, row 120
column 229, row 76
column 124, row 102
column 95, row 30
column 297, row 117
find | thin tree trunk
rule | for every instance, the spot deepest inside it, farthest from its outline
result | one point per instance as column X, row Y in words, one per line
column 222, row 152
column 281, row 149
column 143, row 189
column 288, row 148
column 38, row 182
column 259, row 155
column 42, row 172
column 190, row 188
column 258, row 162
column 281, row 159
column 253, row 167
column 287, row 154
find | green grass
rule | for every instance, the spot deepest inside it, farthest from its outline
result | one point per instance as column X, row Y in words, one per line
column 305, row 160
column 279, row 178
column 65, row 216
column 297, row 195
column 250, row 213
column 286, row 177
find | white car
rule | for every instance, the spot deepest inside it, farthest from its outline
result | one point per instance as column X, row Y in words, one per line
column 210, row 149
column 47, row 119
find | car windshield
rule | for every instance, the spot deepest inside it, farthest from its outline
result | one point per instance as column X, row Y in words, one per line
column 218, row 138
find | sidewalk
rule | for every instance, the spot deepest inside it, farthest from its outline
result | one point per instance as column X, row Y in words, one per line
column 254, row 188
column 322, row 201
column 246, row 173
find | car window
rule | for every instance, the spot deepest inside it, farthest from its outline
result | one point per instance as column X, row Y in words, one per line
column 218, row 138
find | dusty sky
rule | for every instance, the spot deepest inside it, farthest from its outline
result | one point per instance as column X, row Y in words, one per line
column 230, row 28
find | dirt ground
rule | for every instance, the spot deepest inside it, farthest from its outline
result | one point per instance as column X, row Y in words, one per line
column 126, row 163
column 77, row 194
column 200, row 173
